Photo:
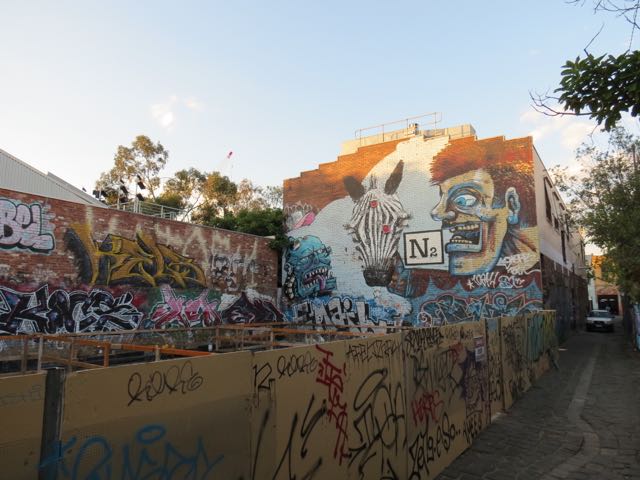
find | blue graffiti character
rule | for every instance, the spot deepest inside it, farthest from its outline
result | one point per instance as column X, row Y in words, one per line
column 308, row 268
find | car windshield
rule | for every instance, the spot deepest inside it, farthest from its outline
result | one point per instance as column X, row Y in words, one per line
column 600, row 314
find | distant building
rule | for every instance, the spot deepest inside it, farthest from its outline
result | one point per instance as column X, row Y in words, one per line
column 607, row 295
column 21, row 177
column 427, row 227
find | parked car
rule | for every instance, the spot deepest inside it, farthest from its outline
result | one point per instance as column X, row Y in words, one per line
column 600, row 320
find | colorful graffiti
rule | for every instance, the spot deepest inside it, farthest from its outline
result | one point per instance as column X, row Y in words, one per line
column 298, row 215
column 25, row 226
column 179, row 311
column 65, row 312
column 308, row 268
column 376, row 224
column 342, row 311
column 117, row 260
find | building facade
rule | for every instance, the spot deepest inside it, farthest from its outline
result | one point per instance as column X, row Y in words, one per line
column 429, row 228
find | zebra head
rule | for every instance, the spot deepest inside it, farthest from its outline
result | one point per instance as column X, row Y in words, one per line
column 376, row 224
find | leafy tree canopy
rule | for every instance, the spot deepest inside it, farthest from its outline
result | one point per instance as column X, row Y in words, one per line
column 605, row 201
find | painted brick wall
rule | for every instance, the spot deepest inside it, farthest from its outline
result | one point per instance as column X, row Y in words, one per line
column 66, row 267
column 419, row 231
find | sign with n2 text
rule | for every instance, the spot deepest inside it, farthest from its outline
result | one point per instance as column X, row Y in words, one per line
column 423, row 248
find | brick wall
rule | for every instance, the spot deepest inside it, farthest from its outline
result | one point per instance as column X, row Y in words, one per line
column 420, row 231
column 67, row 267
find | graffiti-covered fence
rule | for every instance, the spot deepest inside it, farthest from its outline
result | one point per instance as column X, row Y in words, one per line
column 394, row 406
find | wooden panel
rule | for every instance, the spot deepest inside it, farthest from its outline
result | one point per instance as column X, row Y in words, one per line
column 542, row 343
column 447, row 394
column 376, row 409
column 496, row 386
column 515, row 368
column 299, row 413
column 170, row 419
column 22, row 402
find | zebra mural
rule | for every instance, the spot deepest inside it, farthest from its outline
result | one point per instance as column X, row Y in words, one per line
column 376, row 224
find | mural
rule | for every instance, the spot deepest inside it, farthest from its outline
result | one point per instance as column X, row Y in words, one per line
column 439, row 231
column 376, row 224
column 308, row 268
column 118, row 260
column 25, row 227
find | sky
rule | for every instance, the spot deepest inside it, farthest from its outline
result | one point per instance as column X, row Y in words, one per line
column 280, row 84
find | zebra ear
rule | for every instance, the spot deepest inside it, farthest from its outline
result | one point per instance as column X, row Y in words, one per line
column 393, row 182
column 354, row 187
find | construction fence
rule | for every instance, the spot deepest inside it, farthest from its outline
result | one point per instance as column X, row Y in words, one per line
column 397, row 405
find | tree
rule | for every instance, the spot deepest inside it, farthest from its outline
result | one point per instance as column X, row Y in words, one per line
column 219, row 193
column 604, row 200
column 184, row 190
column 601, row 87
column 140, row 163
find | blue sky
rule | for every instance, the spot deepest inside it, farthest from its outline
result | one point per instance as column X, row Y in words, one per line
column 281, row 84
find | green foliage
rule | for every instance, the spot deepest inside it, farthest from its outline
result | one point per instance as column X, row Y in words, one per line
column 605, row 201
column 602, row 87
column 143, row 159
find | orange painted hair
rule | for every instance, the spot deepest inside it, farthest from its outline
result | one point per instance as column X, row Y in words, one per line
column 509, row 162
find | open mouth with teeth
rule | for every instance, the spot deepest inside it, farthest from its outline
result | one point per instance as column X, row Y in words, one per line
column 321, row 277
column 466, row 237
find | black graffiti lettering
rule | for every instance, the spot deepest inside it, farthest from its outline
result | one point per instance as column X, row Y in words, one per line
column 175, row 379
column 428, row 448
column 379, row 422
column 473, row 425
column 292, row 364
column 262, row 377
column 378, row 349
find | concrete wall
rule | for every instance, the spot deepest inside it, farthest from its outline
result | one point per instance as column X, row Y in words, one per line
column 67, row 267
column 402, row 405
column 426, row 231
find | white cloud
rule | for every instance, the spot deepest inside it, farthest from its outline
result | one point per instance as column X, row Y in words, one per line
column 164, row 113
column 569, row 130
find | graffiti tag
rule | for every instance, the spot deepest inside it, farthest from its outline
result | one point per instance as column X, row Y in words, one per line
column 24, row 227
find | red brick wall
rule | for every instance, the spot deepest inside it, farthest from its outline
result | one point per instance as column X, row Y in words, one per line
column 70, row 267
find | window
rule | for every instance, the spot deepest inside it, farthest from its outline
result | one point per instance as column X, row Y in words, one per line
column 547, row 202
column 564, row 251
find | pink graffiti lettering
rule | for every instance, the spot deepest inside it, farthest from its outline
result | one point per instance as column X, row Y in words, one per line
column 179, row 311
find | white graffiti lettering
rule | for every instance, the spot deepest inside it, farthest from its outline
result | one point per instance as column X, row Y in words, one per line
column 22, row 226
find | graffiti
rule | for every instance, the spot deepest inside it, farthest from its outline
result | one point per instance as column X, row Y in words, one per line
column 299, row 432
column 228, row 274
column 25, row 227
column 178, row 311
column 149, row 454
column 363, row 352
column 481, row 186
column 427, row 405
column 118, row 260
column 290, row 365
column 175, row 379
column 246, row 310
column 379, row 424
column 419, row 339
column 495, row 280
column 333, row 378
column 448, row 308
column 518, row 264
column 33, row 394
column 298, row 215
column 63, row 312
column 428, row 447
column 337, row 311
column 308, row 268
column 376, row 225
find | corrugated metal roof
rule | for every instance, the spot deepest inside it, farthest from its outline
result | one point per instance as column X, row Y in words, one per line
column 22, row 177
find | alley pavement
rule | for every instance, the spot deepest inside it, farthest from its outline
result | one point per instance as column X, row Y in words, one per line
column 579, row 422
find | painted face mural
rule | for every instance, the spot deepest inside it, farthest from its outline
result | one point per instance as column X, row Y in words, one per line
column 308, row 265
column 478, row 219
column 376, row 224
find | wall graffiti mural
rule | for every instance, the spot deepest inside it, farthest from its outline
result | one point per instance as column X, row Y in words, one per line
column 466, row 210
column 65, row 312
column 342, row 311
column 308, row 268
column 376, row 224
column 25, row 226
column 118, row 260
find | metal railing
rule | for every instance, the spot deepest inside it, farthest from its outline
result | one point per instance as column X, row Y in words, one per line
column 416, row 121
column 149, row 208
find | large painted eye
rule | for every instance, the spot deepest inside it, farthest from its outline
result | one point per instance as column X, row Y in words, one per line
column 464, row 200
